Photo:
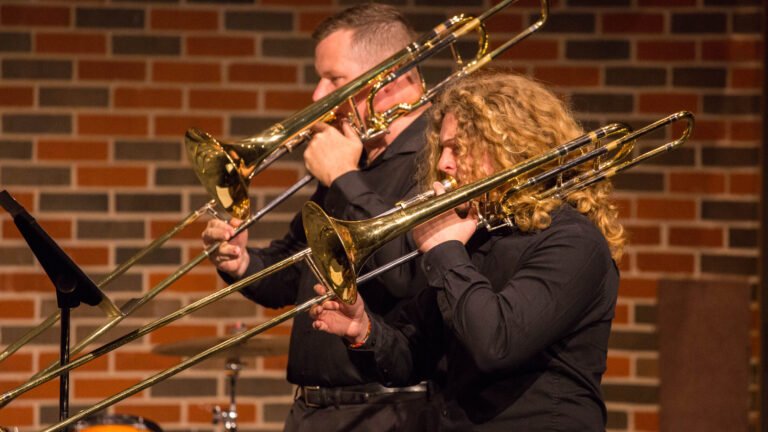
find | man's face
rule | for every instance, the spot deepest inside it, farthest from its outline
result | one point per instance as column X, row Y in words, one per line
column 335, row 63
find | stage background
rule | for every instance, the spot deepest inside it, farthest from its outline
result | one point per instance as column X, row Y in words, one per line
column 96, row 96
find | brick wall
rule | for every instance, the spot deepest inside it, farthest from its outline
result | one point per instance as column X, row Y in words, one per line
column 96, row 95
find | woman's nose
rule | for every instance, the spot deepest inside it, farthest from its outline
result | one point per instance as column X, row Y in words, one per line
column 447, row 162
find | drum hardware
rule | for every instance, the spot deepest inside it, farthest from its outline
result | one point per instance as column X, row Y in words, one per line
column 262, row 346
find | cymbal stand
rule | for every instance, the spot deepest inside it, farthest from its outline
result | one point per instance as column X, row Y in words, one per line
column 229, row 417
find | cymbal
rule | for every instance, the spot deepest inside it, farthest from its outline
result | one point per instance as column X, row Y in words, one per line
column 253, row 347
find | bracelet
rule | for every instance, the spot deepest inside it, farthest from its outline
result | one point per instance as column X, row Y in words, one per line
column 365, row 339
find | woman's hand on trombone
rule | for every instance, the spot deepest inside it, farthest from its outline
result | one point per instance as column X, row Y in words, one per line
column 348, row 321
column 458, row 224
column 231, row 256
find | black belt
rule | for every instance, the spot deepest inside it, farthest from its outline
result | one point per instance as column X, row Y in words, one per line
column 320, row 397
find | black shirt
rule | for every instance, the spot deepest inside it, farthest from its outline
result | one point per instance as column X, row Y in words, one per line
column 523, row 321
column 317, row 358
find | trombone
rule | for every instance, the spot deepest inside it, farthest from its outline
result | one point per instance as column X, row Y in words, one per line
column 225, row 169
column 337, row 247
column 306, row 255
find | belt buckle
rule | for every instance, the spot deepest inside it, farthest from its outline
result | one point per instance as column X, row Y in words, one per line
column 306, row 399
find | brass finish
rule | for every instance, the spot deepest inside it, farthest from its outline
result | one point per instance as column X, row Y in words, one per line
column 350, row 243
column 226, row 169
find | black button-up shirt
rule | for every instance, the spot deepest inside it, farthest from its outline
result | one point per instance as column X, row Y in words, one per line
column 513, row 329
column 317, row 358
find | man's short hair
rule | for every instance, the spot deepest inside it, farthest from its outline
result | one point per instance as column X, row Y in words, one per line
column 379, row 30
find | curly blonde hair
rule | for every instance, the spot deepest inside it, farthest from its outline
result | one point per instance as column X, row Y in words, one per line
column 507, row 118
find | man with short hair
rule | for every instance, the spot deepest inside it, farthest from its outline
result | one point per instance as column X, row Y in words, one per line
column 357, row 181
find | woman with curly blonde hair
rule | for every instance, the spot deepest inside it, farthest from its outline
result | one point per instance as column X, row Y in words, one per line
column 513, row 326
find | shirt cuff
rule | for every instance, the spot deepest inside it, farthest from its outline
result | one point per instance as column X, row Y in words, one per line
column 441, row 259
column 344, row 190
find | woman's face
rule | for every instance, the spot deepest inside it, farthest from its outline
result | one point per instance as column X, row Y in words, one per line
column 449, row 162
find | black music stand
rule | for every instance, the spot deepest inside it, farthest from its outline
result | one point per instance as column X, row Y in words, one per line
column 72, row 285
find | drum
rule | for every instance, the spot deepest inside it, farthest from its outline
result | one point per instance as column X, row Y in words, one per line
column 116, row 423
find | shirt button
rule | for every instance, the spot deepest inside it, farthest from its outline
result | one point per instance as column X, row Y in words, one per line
column 428, row 267
column 445, row 412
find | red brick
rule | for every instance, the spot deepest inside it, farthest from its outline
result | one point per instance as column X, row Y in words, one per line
column 297, row 2
column 177, row 125
column 18, row 362
column 573, row 76
column 621, row 315
column 112, row 125
column 69, row 150
column 174, row 333
column 746, row 77
column 111, row 70
column 652, row 23
column 224, row 99
column 17, row 96
column 287, row 99
column 504, row 23
column 276, row 363
column 700, row 237
column 20, row 15
column 743, row 130
column 190, row 282
column 112, row 176
column 618, row 366
column 100, row 388
column 637, row 288
column 667, row 50
column 276, row 177
column 666, row 209
column 668, row 3
column 132, row 97
column 308, row 21
column 732, row 50
column 71, row 43
column 533, row 50
column 191, row 232
column 697, row 182
column 58, row 229
column 706, row 129
column 646, row 421
column 745, row 184
column 220, row 46
column 625, row 207
column 180, row 19
column 186, row 72
column 665, row 103
column 262, row 72
column 141, row 361
column 10, row 308
column 665, row 262
column 643, row 235
column 17, row 415
column 85, row 256
column 25, row 282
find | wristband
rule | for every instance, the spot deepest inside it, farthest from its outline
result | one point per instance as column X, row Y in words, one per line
column 365, row 339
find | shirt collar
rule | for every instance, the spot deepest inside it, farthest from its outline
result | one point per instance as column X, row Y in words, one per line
column 410, row 140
